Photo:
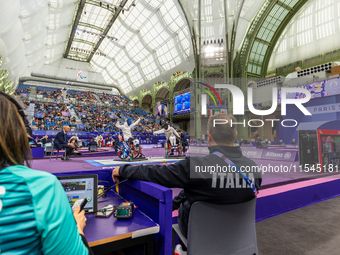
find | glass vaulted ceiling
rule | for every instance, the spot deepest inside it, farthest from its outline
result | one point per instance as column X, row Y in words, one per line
column 152, row 37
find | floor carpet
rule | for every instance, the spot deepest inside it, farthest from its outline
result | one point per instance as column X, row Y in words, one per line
column 312, row 230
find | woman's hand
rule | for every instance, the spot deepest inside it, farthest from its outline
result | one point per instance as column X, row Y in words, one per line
column 80, row 219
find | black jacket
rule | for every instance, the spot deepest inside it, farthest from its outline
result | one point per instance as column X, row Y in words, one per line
column 92, row 143
column 222, row 188
column 60, row 139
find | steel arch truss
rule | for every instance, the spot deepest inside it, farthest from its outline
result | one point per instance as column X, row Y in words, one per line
column 263, row 34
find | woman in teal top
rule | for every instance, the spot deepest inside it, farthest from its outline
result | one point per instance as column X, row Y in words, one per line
column 35, row 215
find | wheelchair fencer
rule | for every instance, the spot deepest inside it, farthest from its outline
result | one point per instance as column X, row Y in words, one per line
column 173, row 144
column 130, row 149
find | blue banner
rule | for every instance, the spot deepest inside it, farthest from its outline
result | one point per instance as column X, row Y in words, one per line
column 81, row 126
column 317, row 89
column 39, row 115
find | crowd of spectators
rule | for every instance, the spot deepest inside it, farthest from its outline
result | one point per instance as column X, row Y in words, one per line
column 55, row 94
column 82, row 96
column 94, row 118
column 52, row 117
column 103, row 119
column 113, row 99
column 19, row 92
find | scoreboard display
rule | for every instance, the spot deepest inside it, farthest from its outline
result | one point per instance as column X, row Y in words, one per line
column 329, row 149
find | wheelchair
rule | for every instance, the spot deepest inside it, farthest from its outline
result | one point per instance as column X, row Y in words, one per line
column 176, row 147
column 130, row 150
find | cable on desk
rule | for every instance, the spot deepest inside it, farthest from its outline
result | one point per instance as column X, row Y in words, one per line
column 105, row 192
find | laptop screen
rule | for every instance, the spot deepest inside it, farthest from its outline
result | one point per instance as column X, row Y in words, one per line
column 81, row 186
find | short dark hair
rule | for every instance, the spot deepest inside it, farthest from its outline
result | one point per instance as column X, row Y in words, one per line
column 222, row 134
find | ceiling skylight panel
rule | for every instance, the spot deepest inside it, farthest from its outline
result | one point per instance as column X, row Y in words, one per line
column 96, row 68
column 153, row 33
column 293, row 3
column 51, row 39
column 54, row 21
column 136, row 49
column 137, row 16
column 123, row 61
column 184, row 40
column 149, row 68
column 114, row 70
column 112, row 52
column 304, row 24
column 80, row 45
column 325, row 15
column 107, row 77
column 154, row 3
column 124, row 82
column 135, row 76
column 95, row 15
column 127, row 90
column 171, row 16
column 167, row 54
column 117, row 29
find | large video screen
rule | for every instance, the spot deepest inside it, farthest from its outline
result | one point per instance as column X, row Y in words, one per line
column 182, row 102
column 318, row 89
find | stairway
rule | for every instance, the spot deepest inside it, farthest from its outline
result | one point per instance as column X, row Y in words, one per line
column 64, row 93
column 97, row 97
column 33, row 93
column 30, row 112
column 75, row 115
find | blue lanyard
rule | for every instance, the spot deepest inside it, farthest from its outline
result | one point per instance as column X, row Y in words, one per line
column 230, row 163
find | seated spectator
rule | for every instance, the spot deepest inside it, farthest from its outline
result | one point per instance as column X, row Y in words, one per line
column 60, row 143
column 39, row 142
column 39, row 220
column 73, row 142
column 85, row 143
column 45, row 139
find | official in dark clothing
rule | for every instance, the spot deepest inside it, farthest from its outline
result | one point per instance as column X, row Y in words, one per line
column 203, row 178
column 116, row 144
column 92, row 142
column 60, row 143
column 183, row 141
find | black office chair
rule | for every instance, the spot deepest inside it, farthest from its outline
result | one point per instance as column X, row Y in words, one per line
column 220, row 229
column 93, row 147
column 57, row 152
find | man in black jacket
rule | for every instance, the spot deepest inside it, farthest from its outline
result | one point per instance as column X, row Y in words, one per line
column 183, row 141
column 60, row 142
column 92, row 142
column 203, row 178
